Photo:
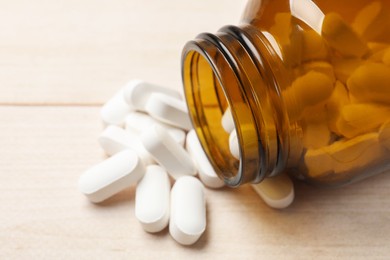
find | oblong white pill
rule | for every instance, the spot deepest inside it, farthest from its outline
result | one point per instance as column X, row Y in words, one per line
column 188, row 210
column 233, row 145
column 206, row 171
column 114, row 111
column 168, row 110
column 115, row 139
column 139, row 122
column 277, row 191
column 227, row 121
column 152, row 195
column 111, row 176
column 137, row 92
column 167, row 152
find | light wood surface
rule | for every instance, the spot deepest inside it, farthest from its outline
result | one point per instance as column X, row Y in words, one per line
column 59, row 61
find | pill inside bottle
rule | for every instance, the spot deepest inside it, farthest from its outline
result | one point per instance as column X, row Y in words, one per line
column 298, row 87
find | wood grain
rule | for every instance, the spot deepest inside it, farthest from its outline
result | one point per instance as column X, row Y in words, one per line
column 43, row 216
column 79, row 52
column 59, row 61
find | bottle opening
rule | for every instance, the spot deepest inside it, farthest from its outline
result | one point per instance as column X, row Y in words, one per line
column 222, row 116
column 207, row 105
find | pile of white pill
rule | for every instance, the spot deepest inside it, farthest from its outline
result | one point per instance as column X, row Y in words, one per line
column 149, row 138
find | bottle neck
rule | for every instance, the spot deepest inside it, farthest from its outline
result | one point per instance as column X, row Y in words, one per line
column 233, row 69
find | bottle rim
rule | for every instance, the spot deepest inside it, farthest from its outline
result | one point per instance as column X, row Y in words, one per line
column 215, row 54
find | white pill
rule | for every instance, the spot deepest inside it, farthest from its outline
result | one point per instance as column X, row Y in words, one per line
column 152, row 199
column 168, row 110
column 227, row 121
column 111, row 176
column 114, row 111
column 233, row 145
column 277, row 191
column 167, row 152
column 206, row 171
column 137, row 93
column 139, row 122
column 188, row 210
column 115, row 139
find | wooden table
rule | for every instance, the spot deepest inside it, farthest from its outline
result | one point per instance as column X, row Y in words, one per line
column 59, row 61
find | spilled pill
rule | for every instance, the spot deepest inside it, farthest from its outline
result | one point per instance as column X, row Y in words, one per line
column 139, row 122
column 115, row 110
column 167, row 152
column 206, row 171
column 137, row 92
column 111, row 176
column 114, row 139
column 277, row 191
column 168, row 110
column 152, row 197
column 188, row 210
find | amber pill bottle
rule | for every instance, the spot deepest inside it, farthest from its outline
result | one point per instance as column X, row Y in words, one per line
column 307, row 83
